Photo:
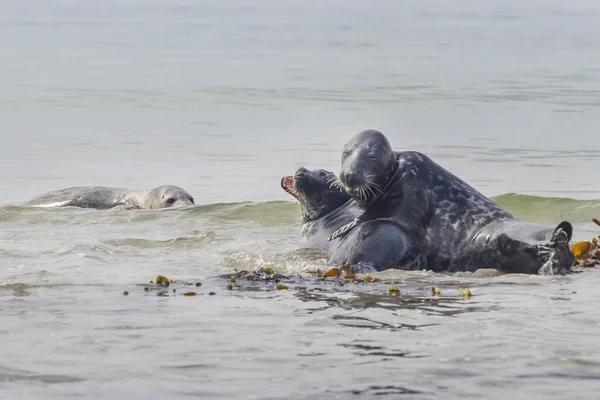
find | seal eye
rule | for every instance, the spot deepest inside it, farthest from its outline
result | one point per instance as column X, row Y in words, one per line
column 171, row 201
column 318, row 198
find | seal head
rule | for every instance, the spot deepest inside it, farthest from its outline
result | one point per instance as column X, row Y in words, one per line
column 168, row 196
column 315, row 192
column 375, row 245
column 367, row 163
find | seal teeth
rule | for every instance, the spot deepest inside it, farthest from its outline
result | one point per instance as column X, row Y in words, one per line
column 287, row 183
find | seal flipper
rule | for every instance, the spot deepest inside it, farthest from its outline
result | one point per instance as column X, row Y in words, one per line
column 345, row 229
column 565, row 228
column 558, row 261
column 124, row 205
column 366, row 216
column 558, row 256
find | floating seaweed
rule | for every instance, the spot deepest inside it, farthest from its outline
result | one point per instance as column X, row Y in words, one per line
column 269, row 271
column 162, row 280
column 260, row 275
column 466, row 293
column 331, row 273
column 587, row 253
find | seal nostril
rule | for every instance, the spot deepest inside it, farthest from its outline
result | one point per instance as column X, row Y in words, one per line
column 344, row 177
column 350, row 179
column 300, row 180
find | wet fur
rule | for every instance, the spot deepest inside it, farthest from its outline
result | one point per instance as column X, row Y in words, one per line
column 460, row 228
column 103, row 198
column 378, row 245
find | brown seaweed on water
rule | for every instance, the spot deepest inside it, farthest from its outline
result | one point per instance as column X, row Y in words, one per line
column 587, row 253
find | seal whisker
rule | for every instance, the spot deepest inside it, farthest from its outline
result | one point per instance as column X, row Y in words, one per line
column 372, row 185
column 364, row 193
column 335, row 183
column 359, row 192
column 368, row 189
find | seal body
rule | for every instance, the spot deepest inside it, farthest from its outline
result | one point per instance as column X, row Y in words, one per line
column 460, row 228
column 103, row 198
column 379, row 244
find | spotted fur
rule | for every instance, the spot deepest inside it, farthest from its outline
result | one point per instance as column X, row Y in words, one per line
column 374, row 245
column 460, row 228
column 101, row 197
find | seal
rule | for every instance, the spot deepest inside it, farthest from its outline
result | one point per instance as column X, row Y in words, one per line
column 459, row 228
column 103, row 198
column 374, row 245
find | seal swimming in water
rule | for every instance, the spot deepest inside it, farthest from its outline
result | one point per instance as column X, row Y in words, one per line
column 103, row 198
column 378, row 244
column 460, row 228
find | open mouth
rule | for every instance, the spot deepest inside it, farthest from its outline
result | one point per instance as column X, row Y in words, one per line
column 287, row 183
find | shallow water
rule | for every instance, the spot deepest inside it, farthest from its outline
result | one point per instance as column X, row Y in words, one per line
column 223, row 99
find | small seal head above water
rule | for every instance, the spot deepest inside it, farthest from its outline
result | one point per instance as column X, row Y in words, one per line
column 378, row 245
column 167, row 196
column 103, row 198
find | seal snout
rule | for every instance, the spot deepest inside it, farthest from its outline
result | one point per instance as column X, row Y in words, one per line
column 300, row 174
column 287, row 184
column 303, row 179
column 351, row 180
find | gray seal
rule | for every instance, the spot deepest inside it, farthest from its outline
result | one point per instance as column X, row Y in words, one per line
column 373, row 245
column 103, row 198
column 459, row 228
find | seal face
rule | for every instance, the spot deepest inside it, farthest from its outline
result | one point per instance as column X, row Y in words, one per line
column 168, row 196
column 314, row 191
column 367, row 162
column 103, row 198
column 460, row 228
column 378, row 244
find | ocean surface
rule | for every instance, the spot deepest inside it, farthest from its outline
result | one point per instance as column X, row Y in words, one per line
column 224, row 98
